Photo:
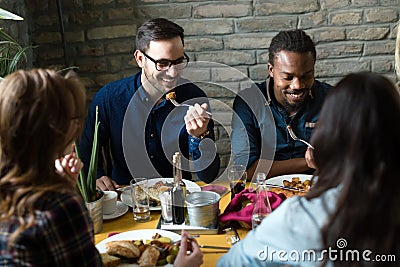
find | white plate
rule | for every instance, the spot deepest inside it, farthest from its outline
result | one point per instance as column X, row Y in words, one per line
column 120, row 210
column 145, row 234
column 278, row 180
column 190, row 186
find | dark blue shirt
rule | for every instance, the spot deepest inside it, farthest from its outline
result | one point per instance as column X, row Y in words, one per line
column 259, row 124
column 143, row 136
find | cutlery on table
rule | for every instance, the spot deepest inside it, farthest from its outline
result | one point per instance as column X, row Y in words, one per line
column 286, row 187
column 201, row 246
column 294, row 137
column 214, row 247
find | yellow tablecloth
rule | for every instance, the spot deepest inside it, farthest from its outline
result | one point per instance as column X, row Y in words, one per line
column 126, row 223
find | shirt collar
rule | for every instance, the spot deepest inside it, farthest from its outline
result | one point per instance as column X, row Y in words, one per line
column 142, row 93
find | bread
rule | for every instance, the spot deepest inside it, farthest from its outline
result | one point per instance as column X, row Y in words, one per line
column 109, row 260
column 149, row 257
column 124, row 248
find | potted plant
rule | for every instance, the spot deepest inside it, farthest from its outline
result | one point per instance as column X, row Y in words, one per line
column 87, row 183
column 12, row 54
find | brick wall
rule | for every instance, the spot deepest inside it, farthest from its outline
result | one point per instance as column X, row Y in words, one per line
column 350, row 35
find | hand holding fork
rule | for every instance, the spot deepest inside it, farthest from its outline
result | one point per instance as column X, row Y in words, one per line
column 176, row 104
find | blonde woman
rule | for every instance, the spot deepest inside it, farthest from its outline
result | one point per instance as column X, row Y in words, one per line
column 43, row 220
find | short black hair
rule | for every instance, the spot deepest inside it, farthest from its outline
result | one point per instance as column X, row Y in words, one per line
column 157, row 29
column 292, row 40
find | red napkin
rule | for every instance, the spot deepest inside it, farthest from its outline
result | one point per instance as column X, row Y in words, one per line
column 112, row 233
column 241, row 207
column 219, row 189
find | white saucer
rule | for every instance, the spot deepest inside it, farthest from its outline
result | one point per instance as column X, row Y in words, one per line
column 120, row 210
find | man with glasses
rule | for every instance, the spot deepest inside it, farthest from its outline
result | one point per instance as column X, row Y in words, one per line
column 142, row 129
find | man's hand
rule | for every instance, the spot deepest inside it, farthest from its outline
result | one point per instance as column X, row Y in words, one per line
column 105, row 183
column 196, row 120
column 310, row 158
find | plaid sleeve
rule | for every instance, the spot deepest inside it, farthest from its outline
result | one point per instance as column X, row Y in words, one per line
column 63, row 236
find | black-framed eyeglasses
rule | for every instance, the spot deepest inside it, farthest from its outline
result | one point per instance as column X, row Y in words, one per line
column 165, row 64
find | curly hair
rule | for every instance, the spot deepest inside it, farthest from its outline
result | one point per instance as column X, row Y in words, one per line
column 293, row 41
column 157, row 29
column 41, row 113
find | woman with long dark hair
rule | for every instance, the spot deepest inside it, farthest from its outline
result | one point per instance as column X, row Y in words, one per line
column 351, row 216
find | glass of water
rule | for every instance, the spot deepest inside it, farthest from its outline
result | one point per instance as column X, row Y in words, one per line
column 140, row 199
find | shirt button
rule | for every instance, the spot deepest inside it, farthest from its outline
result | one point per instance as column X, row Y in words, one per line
column 151, row 156
column 151, row 135
column 192, row 140
column 146, row 99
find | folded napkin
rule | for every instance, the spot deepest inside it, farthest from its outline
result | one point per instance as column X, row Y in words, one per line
column 241, row 207
column 219, row 189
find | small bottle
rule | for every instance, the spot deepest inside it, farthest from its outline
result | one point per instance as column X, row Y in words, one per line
column 178, row 192
column 262, row 206
column 178, row 171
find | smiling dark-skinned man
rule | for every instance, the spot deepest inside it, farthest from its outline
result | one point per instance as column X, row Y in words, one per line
column 290, row 96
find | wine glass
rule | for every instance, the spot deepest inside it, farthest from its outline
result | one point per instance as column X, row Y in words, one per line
column 237, row 178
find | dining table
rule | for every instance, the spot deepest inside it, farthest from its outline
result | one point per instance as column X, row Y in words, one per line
column 126, row 223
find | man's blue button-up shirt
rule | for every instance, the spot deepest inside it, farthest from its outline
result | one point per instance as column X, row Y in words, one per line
column 142, row 136
column 259, row 124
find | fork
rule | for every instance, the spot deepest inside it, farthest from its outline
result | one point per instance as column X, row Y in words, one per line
column 190, row 238
column 294, row 137
column 176, row 104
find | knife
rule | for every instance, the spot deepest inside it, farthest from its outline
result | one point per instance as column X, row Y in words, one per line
column 214, row 247
column 286, row 187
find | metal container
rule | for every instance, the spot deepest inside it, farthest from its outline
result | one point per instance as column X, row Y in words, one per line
column 95, row 209
column 203, row 209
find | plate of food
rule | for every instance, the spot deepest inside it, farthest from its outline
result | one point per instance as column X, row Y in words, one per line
column 291, row 184
column 156, row 186
column 148, row 247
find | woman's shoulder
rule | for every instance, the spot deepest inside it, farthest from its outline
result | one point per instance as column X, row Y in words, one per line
column 57, row 202
column 301, row 212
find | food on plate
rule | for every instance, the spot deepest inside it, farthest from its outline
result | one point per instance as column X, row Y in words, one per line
column 295, row 183
column 124, row 248
column 170, row 95
column 149, row 257
column 157, row 188
column 109, row 260
column 158, row 251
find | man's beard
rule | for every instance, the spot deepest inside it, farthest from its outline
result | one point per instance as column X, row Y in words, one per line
column 294, row 106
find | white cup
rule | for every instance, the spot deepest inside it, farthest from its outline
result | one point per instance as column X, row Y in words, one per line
column 109, row 202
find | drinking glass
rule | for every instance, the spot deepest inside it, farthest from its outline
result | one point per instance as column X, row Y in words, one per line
column 237, row 177
column 166, row 204
column 140, row 199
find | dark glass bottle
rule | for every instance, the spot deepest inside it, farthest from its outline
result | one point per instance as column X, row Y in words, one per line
column 178, row 192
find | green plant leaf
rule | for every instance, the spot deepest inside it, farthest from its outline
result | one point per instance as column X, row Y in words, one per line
column 87, row 183
column 94, row 159
column 12, row 54
column 4, row 14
